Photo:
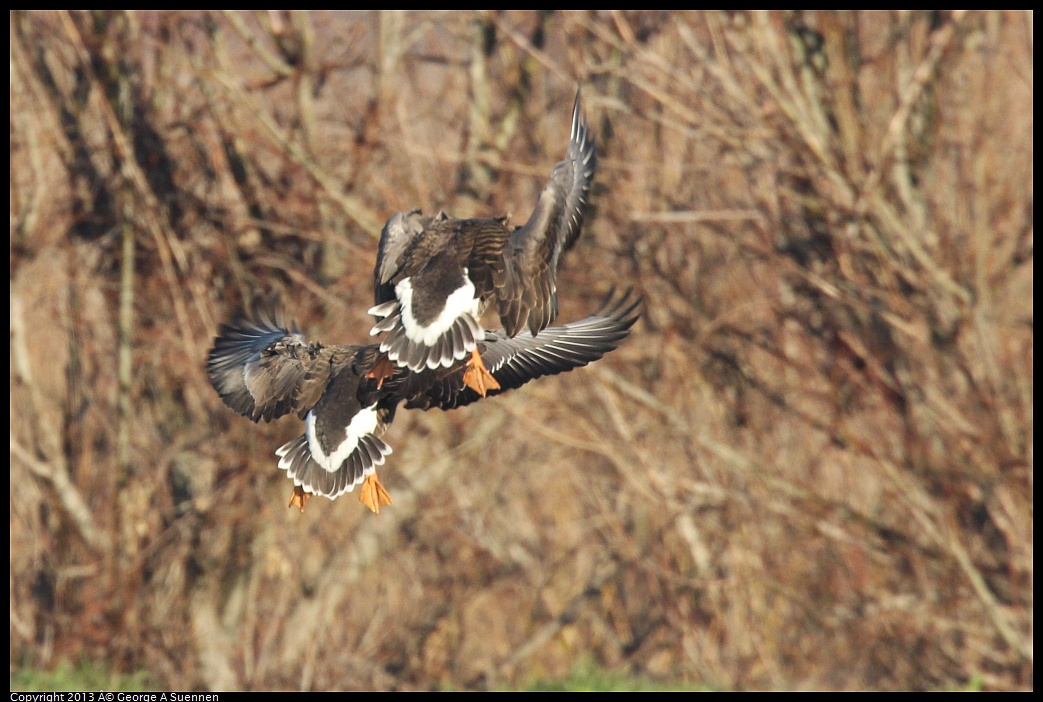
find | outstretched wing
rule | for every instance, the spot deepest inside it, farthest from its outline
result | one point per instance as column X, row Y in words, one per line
column 263, row 370
column 514, row 361
column 527, row 286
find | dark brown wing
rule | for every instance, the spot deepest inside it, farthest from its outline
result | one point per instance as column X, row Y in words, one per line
column 434, row 281
column 396, row 239
column 263, row 370
column 527, row 287
column 514, row 361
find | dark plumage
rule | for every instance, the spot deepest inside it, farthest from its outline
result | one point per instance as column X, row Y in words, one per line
column 435, row 275
column 264, row 369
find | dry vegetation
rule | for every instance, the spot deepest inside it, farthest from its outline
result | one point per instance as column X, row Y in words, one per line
column 811, row 466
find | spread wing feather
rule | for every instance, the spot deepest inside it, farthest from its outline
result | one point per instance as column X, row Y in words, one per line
column 514, row 361
column 262, row 369
column 527, row 286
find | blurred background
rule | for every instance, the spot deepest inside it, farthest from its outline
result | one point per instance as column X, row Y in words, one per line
column 811, row 465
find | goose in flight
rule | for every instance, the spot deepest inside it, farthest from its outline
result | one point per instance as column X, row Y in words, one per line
column 435, row 275
column 263, row 369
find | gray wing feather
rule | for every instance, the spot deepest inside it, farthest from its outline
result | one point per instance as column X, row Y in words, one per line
column 528, row 285
column 263, row 370
column 395, row 239
column 562, row 348
column 514, row 361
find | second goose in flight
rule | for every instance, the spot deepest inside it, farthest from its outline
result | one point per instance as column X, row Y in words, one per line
column 435, row 275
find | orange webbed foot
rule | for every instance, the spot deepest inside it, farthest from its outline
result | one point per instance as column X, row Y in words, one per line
column 477, row 376
column 382, row 370
column 299, row 498
column 373, row 495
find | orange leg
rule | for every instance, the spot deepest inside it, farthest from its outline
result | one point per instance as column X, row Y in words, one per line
column 299, row 498
column 477, row 376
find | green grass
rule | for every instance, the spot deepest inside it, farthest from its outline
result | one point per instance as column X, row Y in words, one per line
column 67, row 677
column 975, row 684
column 588, row 677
